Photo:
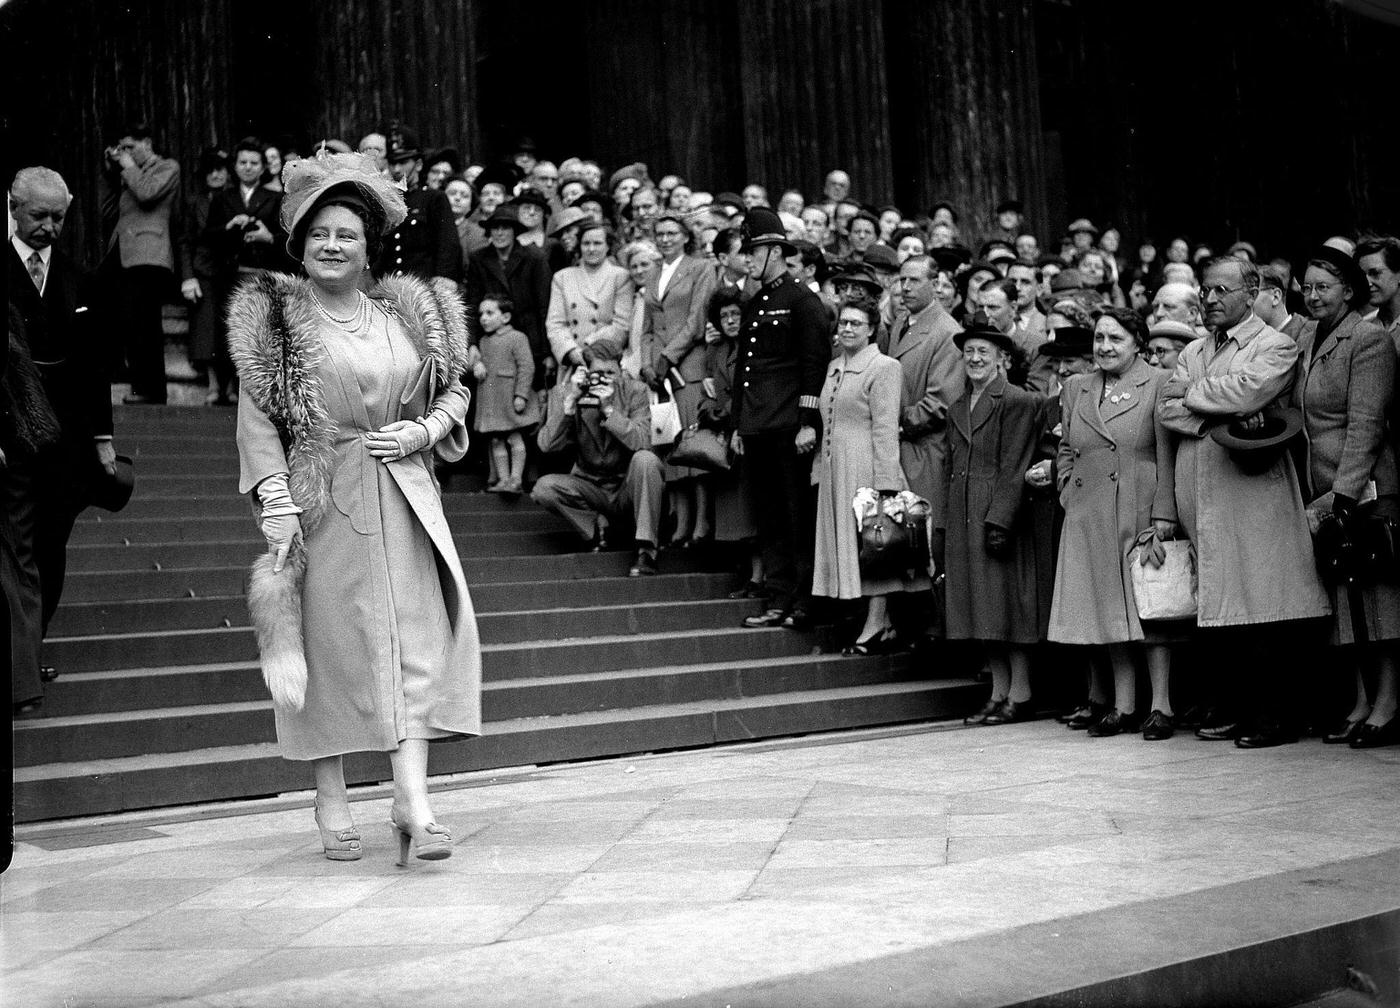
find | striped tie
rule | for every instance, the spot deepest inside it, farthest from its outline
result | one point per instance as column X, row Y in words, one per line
column 36, row 271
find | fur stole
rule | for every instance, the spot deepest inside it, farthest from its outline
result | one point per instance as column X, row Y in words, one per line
column 274, row 339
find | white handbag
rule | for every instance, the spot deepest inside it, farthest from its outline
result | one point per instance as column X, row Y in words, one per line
column 665, row 419
column 1169, row 591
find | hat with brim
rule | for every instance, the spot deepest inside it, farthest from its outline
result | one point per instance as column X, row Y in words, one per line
column 882, row 258
column 1068, row 341
column 567, row 218
column 636, row 170
column 1173, row 330
column 1082, row 224
column 533, row 197
column 858, row 278
column 979, row 328
column 763, row 227
column 1000, row 253
column 507, row 176
column 1256, row 451
column 111, row 492
column 1009, row 206
column 309, row 182
column 1066, row 280
column 448, row 154
column 403, row 144
column 1348, row 269
column 950, row 258
column 503, row 215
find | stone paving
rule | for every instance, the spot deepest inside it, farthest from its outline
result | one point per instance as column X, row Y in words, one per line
column 674, row 877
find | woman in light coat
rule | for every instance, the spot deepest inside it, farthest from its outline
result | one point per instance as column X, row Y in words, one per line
column 365, row 626
column 859, row 448
column 1115, row 470
column 1345, row 391
column 589, row 302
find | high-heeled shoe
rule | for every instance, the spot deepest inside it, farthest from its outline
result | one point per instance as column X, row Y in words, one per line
column 882, row 642
column 1345, row 733
column 431, row 843
column 1376, row 736
column 339, row 845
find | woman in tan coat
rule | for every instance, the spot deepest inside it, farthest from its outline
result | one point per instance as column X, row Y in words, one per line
column 1115, row 470
column 365, row 626
column 1345, row 391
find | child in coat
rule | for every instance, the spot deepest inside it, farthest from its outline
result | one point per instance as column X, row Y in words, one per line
column 505, row 403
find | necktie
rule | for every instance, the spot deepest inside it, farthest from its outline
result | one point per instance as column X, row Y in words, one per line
column 36, row 271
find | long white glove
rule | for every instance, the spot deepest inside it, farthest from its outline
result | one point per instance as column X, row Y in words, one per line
column 280, row 525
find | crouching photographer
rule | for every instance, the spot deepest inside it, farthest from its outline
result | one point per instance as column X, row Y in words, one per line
column 604, row 417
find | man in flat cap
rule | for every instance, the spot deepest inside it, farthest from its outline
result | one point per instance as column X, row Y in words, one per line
column 784, row 350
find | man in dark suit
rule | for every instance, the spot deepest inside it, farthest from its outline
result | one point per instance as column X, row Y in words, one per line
column 142, row 190
column 521, row 273
column 425, row 245
column 784, row 350
column 46, row 484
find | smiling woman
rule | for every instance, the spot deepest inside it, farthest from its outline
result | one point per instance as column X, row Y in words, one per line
column 365, row 626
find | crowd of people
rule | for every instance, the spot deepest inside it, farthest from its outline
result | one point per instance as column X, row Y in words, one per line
column 1065, row 419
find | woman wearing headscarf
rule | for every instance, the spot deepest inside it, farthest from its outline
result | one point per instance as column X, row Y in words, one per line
column 365, row 626
column 1345, row 391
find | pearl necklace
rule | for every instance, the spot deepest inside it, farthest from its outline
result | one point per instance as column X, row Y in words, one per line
column 358, row 318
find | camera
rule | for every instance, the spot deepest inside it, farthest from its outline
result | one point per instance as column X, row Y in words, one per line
column 593, row 382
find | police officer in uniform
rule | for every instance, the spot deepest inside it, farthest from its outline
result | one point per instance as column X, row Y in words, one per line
column 425, row 245
column 784, row 351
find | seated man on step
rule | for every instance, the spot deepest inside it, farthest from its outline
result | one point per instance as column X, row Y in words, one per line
column 605, row 417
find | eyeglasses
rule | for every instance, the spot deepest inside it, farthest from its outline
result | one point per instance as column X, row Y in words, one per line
column 1219, row 290
column 1320, row 289
column 846, row 323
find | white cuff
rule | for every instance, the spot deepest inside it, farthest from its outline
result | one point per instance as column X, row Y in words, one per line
column 276, row 497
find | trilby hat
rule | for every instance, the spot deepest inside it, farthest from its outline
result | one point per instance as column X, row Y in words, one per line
column 979, row 327
column 1068, row 341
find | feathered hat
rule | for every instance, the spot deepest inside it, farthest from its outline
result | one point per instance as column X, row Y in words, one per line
column 309, row 182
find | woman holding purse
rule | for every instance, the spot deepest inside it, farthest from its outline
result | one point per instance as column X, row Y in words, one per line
column 1115, row 470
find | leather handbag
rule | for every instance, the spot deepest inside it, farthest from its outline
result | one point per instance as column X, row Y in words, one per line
column 1169, row 591
column 890, row 548
column 700, row 448
column 665, row 420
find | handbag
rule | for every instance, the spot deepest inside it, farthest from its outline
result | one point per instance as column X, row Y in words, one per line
column 665, row 419
column 700, row 448
column 1169, row 591
column 890, row 548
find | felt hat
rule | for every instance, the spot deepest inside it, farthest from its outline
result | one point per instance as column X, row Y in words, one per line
column 524, row 145
column 1082, row 224
column 449, row 154
column 111, row 493
column 859, row 275
column 503, row 174
column 503, row 214
column 979, row 327
column 1173, row 330
column 1000, row 253
column 763, row 227
column 1349, row 270
column 636, row 170
column 950, row 257
column 883, row 258
column 1068, row 341
column 1066, row 280
column 1010, row 206
column 567, row 218
column 732, row 200
column 532, row 196
column 1256, row 451
column 308, row 182
column 403, row 144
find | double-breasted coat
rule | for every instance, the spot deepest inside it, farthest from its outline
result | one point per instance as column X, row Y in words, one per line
column 426, row 244
column 1116, row 472
column 1345, row 391
column 988, row 450
column 860, row 448
column 932, row 377
column 524, row 278
column 510, row 372
column 587, row 305
column 1253, row 549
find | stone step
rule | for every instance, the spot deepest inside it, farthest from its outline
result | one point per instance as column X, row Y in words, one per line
column 91, row 787
column 140, row 585
column 121, row 614
column 475, row 534
column 516, row 659
column 237, row 642
column 499, row 507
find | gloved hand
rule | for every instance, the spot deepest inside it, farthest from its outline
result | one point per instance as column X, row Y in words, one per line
column 281, row 532
column 397, row 440
column 1342, row 505
column 997, row 542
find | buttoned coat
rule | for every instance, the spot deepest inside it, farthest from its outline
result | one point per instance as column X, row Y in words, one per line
column 674, row 324
column 426, row 244
column 784, row 351
column 231, row 253
column 510, row 372
column 932, row 377
column 586, row 306
column 524, row 278
column 1253, row 549
column 988, row 450
column 138, row 204
column 1116, row 472
column 1345, row 392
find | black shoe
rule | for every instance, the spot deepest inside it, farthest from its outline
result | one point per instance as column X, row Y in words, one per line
column 1375, row 736
column 141, row 400
column 751, row 590
column 878, row 643
column 1222, row 732
column 645, row 564
column 1113, row 723
column 1158, row 726
column 28, row 709
column 797, row 620
column 1267, row 735
column 1010, row 712
column 767, row 618
column 47, row 673
column 1199, row 715
column 1087, row 715
column 988, row 709
column 1344, row 733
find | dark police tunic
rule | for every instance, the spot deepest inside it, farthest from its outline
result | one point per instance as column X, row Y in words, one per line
column 784, row 351
column 425, row 245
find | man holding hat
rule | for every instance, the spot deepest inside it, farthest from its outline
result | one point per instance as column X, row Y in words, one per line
column 784, row 350
column 425, row 245
column 1257, row 580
